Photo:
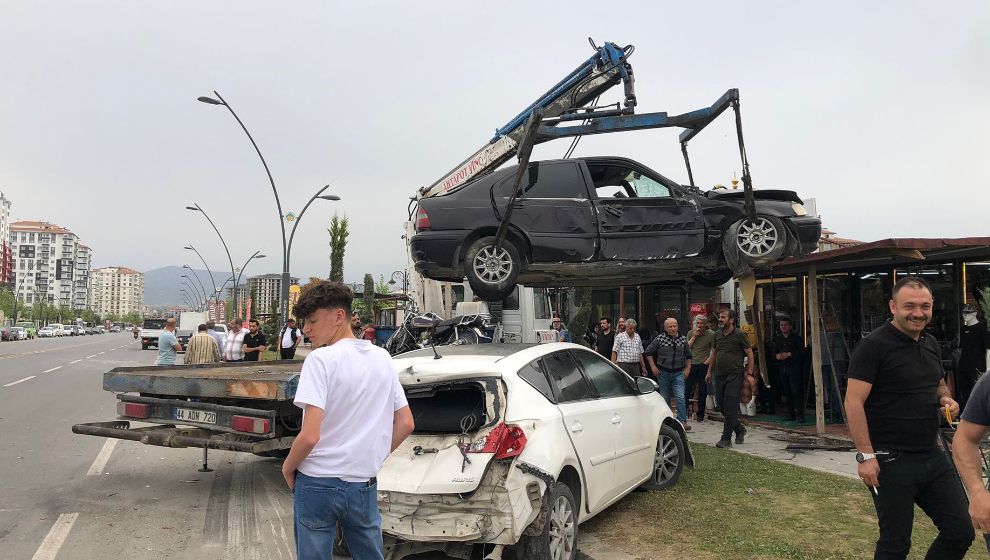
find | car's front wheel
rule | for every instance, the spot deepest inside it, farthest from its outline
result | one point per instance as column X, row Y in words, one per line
column 668, row 461
column 558, row 541
column 492, row 270
column 758, row 242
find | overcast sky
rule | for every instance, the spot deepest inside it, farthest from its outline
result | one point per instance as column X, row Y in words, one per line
column 878, row 110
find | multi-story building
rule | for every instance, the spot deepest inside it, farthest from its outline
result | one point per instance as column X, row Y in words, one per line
column 116, row 290
column 50, row 264
column 267, row 288
column 6, row 253
column 241, row 293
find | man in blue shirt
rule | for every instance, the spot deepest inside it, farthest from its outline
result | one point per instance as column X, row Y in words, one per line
column 168, row 345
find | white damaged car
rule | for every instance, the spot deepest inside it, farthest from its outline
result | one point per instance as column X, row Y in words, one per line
column 516, row 445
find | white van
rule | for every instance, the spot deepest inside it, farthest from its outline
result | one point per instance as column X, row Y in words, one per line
column 58, row 329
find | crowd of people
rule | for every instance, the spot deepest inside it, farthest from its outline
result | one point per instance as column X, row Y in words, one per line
column 209, row 346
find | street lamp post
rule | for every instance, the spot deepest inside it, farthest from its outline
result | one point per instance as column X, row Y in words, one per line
column 193, row 287
column 282, row 217
column 196, row 208
column 213, row 282
column 404, row 277
column 237, row 280
column 193, row 272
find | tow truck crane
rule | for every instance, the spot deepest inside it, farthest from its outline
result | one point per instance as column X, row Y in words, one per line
column 569, row 109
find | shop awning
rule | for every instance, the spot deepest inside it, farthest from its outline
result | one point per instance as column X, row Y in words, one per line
column 889, row 252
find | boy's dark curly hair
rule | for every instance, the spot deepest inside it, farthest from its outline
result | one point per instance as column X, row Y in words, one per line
column 323, row 294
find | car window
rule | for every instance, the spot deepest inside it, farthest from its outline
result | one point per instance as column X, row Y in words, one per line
column 568, row 380
column 620, row 181
column 608, row 381
column 548, row 180
column 533, row 374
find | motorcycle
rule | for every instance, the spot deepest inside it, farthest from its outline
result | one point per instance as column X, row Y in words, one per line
column 428, row 330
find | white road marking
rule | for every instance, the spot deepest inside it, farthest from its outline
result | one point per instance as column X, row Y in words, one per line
column 98, row 353
column 56, row 537
column 28, row 378
column 53, row 369
column 93, row 356
column 101, row 459
column 75, row 361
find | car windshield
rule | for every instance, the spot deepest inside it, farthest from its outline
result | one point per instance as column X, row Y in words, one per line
column 619, row 181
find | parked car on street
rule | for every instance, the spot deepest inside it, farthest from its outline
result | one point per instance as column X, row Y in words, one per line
column 516, row 444
column 115, row 329
column 47, row 332
column 183, row 337
column 18, row 333
column 29, row 327
column 596, row 221
column 6, row 334
column 74, row 330
column 98, row 330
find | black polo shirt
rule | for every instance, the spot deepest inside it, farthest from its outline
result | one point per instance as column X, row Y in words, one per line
column 253, row 341
column 902, row 410
column 604, row 343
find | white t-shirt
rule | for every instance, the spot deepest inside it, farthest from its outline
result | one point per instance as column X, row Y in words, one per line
column 287, row 338
column 355, row 384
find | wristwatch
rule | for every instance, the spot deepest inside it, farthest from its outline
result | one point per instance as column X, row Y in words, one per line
column 864, row 457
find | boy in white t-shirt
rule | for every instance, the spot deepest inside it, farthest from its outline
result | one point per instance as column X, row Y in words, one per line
column 354, row 414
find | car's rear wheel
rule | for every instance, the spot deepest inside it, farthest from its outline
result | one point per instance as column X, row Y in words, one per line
column 668, row 461
column 492, row 270
column 759, row 242
column 558, row 541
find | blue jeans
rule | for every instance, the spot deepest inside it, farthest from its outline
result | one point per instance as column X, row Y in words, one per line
column 320, row 503
column 672, row 385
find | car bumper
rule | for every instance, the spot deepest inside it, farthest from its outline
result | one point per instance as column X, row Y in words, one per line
column 807, row 230
column 497, row 512
column 435, row 254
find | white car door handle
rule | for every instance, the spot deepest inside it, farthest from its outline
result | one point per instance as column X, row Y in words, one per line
column 577, row 427
column 616, row 419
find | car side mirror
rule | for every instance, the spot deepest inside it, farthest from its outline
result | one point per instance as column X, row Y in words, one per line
column 645, row 385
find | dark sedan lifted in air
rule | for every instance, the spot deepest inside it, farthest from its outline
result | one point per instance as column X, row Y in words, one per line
column 602, row 221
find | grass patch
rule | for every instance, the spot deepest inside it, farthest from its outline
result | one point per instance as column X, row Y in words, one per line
column 737, row 506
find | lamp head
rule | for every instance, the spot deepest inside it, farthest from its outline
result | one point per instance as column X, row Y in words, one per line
column 209, row 100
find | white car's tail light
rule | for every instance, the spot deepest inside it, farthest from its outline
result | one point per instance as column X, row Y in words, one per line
column 503, row 440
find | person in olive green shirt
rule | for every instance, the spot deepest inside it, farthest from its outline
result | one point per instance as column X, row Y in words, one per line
column 728, row 351
column 700, row 340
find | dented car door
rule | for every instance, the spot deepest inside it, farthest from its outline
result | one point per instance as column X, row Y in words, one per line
column 642, row 217
column 553, row 208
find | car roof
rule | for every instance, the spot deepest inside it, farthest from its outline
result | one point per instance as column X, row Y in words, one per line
column 471, row 360
column 480, row 350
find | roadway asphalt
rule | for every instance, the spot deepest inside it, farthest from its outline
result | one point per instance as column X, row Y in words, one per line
column 70, row 496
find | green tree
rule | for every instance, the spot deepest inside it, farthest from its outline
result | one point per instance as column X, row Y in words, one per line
column 382, row 287
column 7, row 302
column 984, row 301
column 368, row 313
column 338, row 243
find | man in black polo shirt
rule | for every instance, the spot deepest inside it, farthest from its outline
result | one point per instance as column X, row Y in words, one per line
column 894, row 399
column 254, row 342
column 728, row 350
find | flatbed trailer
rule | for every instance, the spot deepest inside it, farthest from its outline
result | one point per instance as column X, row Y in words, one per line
column 243, row 406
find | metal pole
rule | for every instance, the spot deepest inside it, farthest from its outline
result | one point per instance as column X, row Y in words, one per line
column 284, row 295
column 237, row 283
column 278, row 202
column 205, row 296
column 192, row 287
column 213, row 282
column 229, row 260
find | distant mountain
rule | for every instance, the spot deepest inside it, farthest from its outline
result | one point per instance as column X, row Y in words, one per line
column 162, row 285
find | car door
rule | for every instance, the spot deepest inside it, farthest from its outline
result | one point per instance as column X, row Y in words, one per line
column 553, row 209
column 588, row 425
column 643, row 217
column 632, row 430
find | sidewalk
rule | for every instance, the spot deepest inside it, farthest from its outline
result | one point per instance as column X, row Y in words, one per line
column 763, row 442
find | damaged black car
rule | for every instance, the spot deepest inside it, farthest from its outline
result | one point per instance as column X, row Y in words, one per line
column 602, row 221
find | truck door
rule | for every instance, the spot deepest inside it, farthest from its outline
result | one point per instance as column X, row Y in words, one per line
column 553, row 209
column 641, row 217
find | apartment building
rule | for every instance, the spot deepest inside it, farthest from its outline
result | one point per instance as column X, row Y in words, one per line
column 6, row 253
column 50, row 264
column 267, row 288
column 116, row 290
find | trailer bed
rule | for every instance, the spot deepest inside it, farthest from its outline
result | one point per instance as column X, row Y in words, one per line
column 275, row 380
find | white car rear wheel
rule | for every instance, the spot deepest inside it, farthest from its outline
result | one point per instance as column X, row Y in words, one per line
column 558, row 540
